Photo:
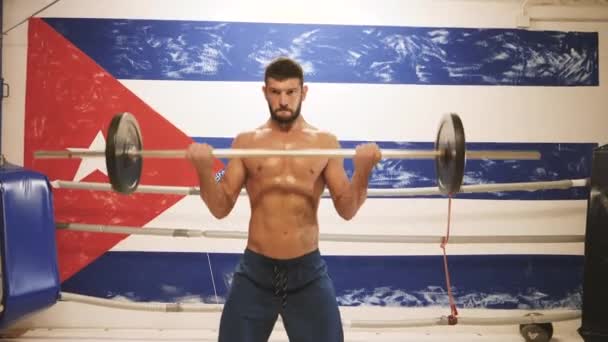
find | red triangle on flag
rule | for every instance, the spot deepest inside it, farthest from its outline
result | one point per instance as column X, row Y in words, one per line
column 69, row 100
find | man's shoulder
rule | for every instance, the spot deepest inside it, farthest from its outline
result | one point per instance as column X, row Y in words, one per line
column 242, row 138
column 328, row 136
column 325, row 138
column 246, row 137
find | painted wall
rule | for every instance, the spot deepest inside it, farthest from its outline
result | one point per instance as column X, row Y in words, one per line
column 384, row 72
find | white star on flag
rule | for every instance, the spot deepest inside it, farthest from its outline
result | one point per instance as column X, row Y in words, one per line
column 89, row 165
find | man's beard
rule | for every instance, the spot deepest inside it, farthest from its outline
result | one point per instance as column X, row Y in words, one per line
column 282, row 120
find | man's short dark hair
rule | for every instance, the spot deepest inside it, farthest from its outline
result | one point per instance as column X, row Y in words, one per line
column 283, row 68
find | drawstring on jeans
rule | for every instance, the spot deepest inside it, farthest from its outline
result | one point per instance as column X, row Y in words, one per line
column 279, row 283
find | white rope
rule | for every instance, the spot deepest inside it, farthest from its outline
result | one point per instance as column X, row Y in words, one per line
column 221, row 234
column 148, row 306
column 401, row 192
column 99, row 228
column 217, row 300
column 548, row 317
column 29, row 17
column 465, row 320
column 146, row 189
column 420, row 239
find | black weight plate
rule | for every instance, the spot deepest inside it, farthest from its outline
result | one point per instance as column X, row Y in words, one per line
column 449, row 165
column 124, row 167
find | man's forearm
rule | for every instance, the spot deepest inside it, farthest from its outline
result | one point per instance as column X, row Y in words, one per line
column 352, row 199
column 213, row 194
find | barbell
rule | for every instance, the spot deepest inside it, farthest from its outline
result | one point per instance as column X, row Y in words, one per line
column 124, row 153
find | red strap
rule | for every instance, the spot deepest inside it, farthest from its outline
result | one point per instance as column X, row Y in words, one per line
column 452, row 319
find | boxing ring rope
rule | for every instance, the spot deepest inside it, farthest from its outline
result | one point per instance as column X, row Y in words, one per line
column 366, row 324
column 422, row 238
column 466, row 320
column 148, row 306
column 363, row 238
column 405, row 192
column 548, row 317
column 524, row 186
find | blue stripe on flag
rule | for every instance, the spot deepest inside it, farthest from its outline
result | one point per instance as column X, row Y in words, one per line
column 479, row 281
column 238, row 51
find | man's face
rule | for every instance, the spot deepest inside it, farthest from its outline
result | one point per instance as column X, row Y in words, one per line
column 284, row 99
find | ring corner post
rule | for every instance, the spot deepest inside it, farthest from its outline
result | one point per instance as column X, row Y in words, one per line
column 1, row 72
column 594, row 322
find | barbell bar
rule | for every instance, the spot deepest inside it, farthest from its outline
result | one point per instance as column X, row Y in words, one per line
column 264, row 153
column 124, row 153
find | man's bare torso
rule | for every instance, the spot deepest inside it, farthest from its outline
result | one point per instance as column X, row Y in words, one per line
column 284, row 192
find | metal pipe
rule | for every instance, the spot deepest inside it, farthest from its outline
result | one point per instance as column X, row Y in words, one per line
column 401, row 192
column 535, row 318
column 220, row 234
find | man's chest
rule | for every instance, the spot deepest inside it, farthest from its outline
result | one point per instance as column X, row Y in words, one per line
column 295, row 168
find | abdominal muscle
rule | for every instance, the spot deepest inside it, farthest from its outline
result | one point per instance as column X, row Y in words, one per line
column 283, row 222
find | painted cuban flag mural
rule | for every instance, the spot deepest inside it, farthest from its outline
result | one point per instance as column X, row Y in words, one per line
column 200, row 81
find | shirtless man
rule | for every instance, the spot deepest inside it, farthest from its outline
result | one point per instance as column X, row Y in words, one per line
column 281, row 271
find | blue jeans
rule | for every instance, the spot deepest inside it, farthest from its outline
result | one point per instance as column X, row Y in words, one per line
column 299, row 289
